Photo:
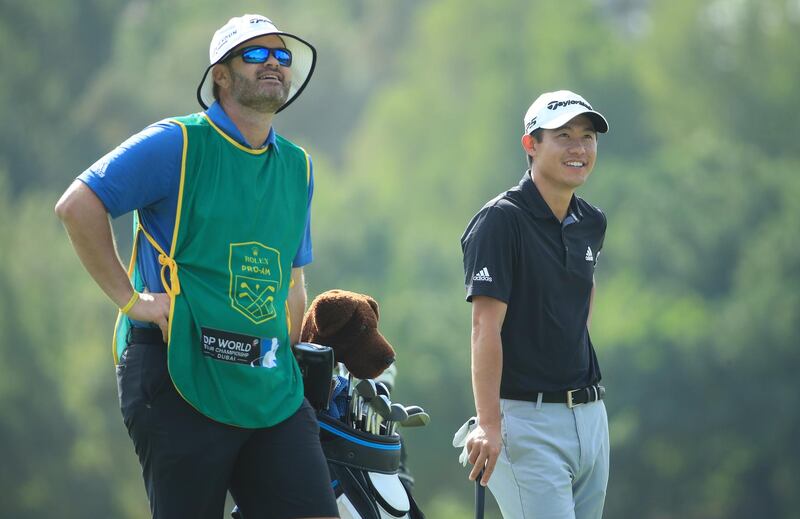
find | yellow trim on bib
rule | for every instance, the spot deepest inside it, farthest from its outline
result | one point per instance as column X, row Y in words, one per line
column 233, row 141
column 120, row 315
column 308, row 165
column 165, row 260
column 288, row 318
column 180, row 187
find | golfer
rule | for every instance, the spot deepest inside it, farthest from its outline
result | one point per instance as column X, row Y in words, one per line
column 214, row 296
column 529, row 259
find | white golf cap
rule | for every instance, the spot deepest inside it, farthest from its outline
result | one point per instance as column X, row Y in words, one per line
column 554, row 109
column 243, row 28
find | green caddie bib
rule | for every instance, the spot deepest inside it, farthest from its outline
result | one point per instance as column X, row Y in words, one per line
column 240, row 220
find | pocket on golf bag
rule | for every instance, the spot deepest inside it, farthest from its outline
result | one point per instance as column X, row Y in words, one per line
column 364, row 471
column 362, row 495
column 350, row 447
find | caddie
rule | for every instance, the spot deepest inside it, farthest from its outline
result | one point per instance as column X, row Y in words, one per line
column 214, row 295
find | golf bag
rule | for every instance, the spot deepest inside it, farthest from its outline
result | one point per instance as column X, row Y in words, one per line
column 367, row 473
column 364, row 473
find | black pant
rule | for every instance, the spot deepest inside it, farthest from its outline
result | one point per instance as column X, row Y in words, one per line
column 189, row 461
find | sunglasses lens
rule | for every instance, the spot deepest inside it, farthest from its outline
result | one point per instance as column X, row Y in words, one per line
column 255, row 55
column 261, row 54
column 283, row 56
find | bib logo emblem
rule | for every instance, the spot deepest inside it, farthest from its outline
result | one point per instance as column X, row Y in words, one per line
column 255, row 278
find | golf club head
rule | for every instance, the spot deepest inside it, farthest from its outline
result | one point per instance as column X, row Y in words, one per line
column 416, row 417
column 398, row 413
column 382, row 405
column 366, row 388
column 381, row 388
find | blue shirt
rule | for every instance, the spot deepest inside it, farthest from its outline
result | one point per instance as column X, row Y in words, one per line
column 144, row 173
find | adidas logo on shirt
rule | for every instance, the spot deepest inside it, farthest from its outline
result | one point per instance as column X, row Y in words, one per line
column 589, row 255
column 482, row 275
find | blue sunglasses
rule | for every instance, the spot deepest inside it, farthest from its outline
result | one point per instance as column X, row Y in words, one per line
column 258, row 54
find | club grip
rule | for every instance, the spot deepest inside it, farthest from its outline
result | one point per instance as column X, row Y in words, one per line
column 480, row 496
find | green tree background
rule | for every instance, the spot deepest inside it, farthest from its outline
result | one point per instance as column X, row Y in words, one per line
column 413, row 119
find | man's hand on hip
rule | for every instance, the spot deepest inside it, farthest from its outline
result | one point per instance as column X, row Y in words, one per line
column 152, row 308
column 483, row 445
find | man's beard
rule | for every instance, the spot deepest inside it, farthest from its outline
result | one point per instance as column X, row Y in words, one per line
column 248, row 94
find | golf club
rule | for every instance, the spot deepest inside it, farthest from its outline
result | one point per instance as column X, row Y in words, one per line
column 383, row 408
column 381, row 388
column 366, row 389
column 397, row 413
column 417, row 417
column 480, row 496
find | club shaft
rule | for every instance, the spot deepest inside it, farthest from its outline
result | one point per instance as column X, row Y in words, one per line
column 480, row 496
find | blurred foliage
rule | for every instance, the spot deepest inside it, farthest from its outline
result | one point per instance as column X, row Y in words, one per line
column 413, row 119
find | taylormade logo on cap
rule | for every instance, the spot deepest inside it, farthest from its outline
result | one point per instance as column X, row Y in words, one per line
column 555, row 105
column 236, row 31
column 555, row 109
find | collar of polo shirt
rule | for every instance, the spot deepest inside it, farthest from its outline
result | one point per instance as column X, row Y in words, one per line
column 536, row 203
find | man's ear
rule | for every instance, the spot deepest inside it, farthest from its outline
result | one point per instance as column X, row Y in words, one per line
column 221, row 75
column 529, row 145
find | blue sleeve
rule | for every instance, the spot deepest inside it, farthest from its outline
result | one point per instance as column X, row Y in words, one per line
column 140, row 172
column 305, row 254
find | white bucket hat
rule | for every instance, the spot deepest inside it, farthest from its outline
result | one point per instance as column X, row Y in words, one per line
column 239, row 30
column 553, row 110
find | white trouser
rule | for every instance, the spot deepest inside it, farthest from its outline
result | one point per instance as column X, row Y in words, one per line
column 554, row 461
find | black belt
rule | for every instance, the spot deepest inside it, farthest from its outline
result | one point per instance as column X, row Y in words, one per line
column 138, row 335
column 575, row 397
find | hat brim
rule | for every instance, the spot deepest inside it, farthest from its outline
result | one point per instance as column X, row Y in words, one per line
column 599, row 122
column 304, row 59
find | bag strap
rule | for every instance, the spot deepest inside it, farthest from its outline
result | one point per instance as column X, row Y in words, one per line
column 414, row 511
column 355, row 489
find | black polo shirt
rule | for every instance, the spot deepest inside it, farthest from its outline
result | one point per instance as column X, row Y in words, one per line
column 517, row 251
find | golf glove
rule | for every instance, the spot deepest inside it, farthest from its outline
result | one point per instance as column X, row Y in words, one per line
column 460, row 439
